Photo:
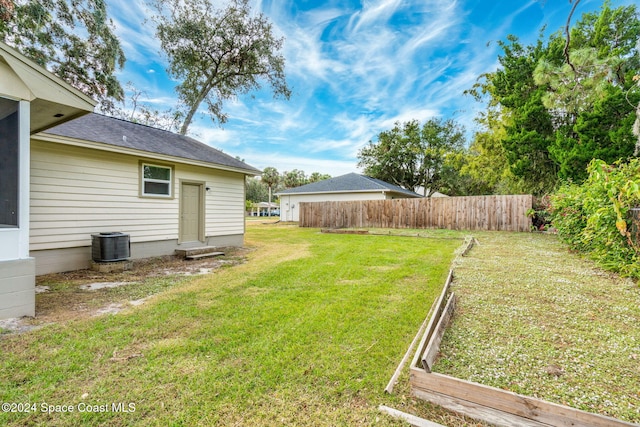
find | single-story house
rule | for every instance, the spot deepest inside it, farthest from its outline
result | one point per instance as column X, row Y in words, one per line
column 264, row 208
column 347, row 187
column 100, row 174
column 69, row 173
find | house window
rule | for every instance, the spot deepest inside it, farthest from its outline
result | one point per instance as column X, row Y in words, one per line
column 9, row 162
column 156, row 180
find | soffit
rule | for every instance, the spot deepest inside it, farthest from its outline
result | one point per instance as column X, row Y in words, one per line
column 53, row 101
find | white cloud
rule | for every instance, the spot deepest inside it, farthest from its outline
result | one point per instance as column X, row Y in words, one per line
column 373, row 12
column 305, row 57
column 217, row 137
column 417, row 113
column 135, row 30
column 354, row 69
column 283, row 162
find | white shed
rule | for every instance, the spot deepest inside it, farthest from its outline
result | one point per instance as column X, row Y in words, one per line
column 347, row 187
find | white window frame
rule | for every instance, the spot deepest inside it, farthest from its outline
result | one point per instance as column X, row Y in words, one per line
column 144, row 180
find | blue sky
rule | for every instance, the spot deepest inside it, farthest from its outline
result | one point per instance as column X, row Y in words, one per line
column 354, row 67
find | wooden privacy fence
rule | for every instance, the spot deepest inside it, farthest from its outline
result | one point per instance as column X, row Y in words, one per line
column 495, row 213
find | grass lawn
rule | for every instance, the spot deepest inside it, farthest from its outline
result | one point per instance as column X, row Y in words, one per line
column 307, row 331
column 540, row 321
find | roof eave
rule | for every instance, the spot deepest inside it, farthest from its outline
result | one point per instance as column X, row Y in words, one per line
column 417, row 196
column 331, row 192
column 43, row 136
column 53, row 100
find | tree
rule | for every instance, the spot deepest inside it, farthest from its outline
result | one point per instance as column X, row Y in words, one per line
column 294, row 178
column 412, row 156
column 135, row 110
column 485, row 162
column 271, row 178
column 589, row 89
column 72, row 38
column 636, row 123
column 317, row 176
column 562, row 101
column 218, row 54
column 603, row 131
column 528, row 124
column 256, row 190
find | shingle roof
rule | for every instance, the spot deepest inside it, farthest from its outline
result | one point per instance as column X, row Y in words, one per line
column 351, row 182
column 121, row 133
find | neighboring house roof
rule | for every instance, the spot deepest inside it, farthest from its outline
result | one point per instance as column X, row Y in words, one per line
column 349, row 183
column 133, row 136
column 266, row 205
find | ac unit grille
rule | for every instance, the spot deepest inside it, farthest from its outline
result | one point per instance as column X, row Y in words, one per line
column 110, row 247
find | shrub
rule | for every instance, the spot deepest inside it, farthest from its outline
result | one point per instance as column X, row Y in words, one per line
column 594, row 217
column 539, row 214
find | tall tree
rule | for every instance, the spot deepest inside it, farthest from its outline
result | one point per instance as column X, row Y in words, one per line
column 636, row 123
column 588, row 91
column 317, row 176
column 294, row 178
column 271, row 178
column 256, row 190
column 485, row 162
column 395, row 157
column 74, row 39
column 136, row 110
column 564, row 100
column 217, row 54
column 412, row 156
column 529, row 127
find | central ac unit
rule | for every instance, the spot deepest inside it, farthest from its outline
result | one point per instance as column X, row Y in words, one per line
column 110, row 247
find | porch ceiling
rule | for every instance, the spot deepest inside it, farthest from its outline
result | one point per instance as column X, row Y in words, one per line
column 53, row 101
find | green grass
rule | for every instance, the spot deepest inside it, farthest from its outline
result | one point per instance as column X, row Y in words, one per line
column 540, row 321
column 307, row 332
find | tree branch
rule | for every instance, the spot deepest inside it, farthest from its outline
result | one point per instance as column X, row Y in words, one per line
column 568, row 33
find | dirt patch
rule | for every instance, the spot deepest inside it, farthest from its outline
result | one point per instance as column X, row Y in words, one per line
column 15, row 325
column 63, row 297
column 104, row 285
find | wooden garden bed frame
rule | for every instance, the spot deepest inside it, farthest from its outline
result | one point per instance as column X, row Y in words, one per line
column 490, row 404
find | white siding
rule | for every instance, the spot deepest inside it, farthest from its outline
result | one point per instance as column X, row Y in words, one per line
column 224, row 201
column 287, row 213
column 76, row 192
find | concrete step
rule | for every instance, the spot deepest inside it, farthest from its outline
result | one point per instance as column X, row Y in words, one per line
column 204, row 255
column 189, row 253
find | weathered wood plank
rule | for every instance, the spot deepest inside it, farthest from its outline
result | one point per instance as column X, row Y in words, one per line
column 469, row 242
column 509, row 402
column 479, row 412
column 433, row 347
column 436, row 311
column 411, row 419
